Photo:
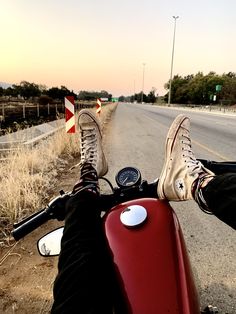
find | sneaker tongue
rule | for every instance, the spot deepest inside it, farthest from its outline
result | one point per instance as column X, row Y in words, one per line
column 194, row 165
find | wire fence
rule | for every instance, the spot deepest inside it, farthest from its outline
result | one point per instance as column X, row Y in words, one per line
column 19, row 111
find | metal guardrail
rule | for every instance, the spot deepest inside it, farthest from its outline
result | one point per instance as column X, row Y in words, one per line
column 31, row 136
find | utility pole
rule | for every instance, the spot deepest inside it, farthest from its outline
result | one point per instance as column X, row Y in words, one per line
column 143, row 82
column 172, row 60
column 134, row 90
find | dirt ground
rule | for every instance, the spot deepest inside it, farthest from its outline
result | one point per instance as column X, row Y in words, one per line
column 26, row 278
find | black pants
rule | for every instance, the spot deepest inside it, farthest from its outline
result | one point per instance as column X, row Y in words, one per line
column 220, row 195
column 85, row 282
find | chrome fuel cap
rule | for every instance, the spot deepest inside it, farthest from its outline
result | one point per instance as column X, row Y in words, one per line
column 133, row 215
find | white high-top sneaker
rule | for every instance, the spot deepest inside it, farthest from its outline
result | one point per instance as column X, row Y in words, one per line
column 91, row 142
column 181, row 168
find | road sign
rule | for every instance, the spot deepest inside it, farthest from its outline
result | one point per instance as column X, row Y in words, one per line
column 99, row 106
column 218, row 88
column 70, row 114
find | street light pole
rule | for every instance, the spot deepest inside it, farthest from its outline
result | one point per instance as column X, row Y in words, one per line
column 134, row 91
column 143, row 82
column 172, row 60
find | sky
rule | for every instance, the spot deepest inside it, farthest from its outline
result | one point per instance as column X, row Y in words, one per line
column 104, row 44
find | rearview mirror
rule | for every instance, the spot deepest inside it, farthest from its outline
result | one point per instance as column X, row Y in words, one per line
column 50, row 244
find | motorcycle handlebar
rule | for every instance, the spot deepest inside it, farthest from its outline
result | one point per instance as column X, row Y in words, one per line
column 19, row 223
column 56, row 207
column 105, row 202
column 31, row 224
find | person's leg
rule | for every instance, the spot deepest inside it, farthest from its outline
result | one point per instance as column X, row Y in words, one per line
column 220, row 197
column 183, row 177
column 84, row 280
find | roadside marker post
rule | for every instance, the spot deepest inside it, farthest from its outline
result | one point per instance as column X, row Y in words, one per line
column 99, row 106
column 70, row 114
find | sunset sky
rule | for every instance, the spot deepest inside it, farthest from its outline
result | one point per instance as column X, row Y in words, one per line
column 102, row 44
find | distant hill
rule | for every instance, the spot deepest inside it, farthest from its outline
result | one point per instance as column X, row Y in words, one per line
column 5, row 85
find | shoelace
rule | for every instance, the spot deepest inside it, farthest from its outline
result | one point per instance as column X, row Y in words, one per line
column 193, row 164
column 88, row 179
column 88, row 146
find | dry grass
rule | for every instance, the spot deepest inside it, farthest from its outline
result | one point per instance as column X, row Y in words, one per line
column 27, row 174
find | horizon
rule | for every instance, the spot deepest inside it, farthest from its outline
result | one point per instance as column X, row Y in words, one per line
column 102, row 46
column 5, row 85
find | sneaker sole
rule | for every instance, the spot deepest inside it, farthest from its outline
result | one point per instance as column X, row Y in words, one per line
column 171, row 135
column 93, row 117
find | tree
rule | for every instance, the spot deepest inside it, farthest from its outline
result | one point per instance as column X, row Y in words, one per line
column 27, row 90
column 53, row 92
column 138, row 97
column 121, row 98
column 64, row 91
column 42, row 88
column 59, row 93
column 228, row 93
column 177, row 88
column 200, row 88
column 1, row 91
column 105, row 94
column 85, row 95
column 196, row 89
column 11, row 91
column 151, row 97
column 92, row 95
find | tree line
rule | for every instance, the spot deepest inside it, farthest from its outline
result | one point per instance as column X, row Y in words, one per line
column 203, row 89
column 151, row 97
column 28, row 90
column 196, row 89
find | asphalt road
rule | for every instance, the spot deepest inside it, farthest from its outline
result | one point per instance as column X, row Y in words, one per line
column 136, row 138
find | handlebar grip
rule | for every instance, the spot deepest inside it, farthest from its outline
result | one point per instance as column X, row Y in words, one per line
column 30, row 225
column 21, row 222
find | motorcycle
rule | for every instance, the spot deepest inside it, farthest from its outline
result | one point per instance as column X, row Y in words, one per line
column 144, row 238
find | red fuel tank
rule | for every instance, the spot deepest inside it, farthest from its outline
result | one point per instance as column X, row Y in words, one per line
column 150, row 258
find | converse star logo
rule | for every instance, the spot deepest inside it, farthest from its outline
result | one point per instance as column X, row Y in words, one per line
column 179, row 185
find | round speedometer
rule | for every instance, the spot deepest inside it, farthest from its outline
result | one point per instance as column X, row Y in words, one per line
column 128, row 176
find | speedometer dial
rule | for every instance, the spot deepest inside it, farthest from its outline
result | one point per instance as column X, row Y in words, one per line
column 128, row 176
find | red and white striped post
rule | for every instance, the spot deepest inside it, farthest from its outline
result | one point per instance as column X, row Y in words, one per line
column 99, row 106
column 70, row 114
